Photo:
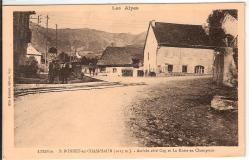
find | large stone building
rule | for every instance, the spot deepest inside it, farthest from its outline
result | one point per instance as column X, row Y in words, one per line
column 177, row 48
column 22, row 36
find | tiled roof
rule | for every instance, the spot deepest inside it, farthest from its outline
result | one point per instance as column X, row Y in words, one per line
column 121, row 56
column 181, row 35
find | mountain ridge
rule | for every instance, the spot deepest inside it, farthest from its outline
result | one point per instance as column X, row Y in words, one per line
column 82, row 40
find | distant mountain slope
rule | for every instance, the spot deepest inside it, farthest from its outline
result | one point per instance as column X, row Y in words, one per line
column 83, row 40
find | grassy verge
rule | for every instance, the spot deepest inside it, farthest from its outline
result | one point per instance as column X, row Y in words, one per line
column 178, row 114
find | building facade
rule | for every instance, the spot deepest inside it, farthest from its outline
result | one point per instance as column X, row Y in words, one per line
column 121, row 61
column 31, row 51
column 22, row 36
column 177, row 48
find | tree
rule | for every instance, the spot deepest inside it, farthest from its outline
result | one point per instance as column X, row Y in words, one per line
column 52, row 50
column 88, row 61
column 31, row 67
column 135, row 62
column 63, row 57
column 84, row 60
column 225, row 72
column 216, row 33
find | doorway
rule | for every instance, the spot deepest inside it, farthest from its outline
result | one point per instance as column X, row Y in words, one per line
column 184, row 69
column 170, row 68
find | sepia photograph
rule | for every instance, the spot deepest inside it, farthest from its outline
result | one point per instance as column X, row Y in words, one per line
column 126, row 75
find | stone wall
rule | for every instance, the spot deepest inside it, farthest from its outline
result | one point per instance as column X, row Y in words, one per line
column 225, row 70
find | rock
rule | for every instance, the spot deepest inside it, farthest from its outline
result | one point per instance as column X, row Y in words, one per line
column 213, row 143
column 223, row 103
column 158, row 141
column 179, row 139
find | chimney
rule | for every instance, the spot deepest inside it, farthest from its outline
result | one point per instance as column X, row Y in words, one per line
column 153, row 23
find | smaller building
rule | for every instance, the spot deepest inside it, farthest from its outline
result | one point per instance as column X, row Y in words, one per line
column 121, row 61
column 31, row 51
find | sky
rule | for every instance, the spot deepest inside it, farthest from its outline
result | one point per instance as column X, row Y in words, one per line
column 107, row 19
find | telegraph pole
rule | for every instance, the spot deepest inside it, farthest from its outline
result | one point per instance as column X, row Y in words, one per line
column 46, row 53
column 56, row 34
column 38, row 19
column 70, row 53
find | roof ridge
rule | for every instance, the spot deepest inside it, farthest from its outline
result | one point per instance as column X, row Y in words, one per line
column 179, row 23
column 124, row 47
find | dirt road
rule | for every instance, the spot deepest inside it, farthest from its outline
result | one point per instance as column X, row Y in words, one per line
column 74, row 118
column 120, row 116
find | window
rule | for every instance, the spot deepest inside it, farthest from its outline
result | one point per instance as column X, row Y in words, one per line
column 170, row 68
column 127, row 72
column 102, row 69
column 199, row 69
column 159, row 68
column 184, row 69
column 114, row 70
column 140, row 73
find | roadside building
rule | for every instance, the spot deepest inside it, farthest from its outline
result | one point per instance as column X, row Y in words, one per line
column 31, row 51
column 177, row 48
column 22, row 36
column 121, row 61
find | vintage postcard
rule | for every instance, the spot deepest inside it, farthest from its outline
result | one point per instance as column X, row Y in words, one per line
column 123, row 81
